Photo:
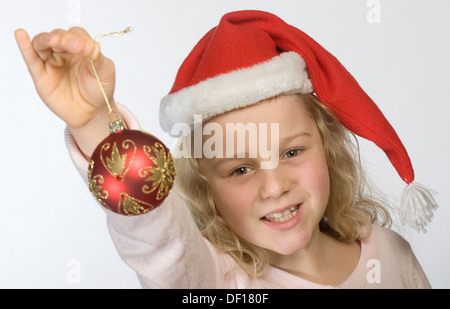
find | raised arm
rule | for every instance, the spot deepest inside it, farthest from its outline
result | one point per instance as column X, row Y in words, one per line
column 164, row 246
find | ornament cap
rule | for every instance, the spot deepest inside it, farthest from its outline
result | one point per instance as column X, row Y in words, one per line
column 116, row 126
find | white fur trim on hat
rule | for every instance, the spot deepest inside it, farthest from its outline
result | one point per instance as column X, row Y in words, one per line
column 282, row 74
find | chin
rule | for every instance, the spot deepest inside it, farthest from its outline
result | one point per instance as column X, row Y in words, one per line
column 292, row 245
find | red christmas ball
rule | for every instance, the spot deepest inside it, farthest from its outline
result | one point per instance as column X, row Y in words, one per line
column 131, row 172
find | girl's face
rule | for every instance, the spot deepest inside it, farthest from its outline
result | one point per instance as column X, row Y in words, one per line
column 278, row 209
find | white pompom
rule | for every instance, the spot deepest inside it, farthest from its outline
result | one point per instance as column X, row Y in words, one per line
column 417, row 206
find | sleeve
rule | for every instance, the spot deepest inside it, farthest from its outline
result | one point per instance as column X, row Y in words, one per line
column 164, row 246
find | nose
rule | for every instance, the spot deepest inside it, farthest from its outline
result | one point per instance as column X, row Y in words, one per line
column 273, row 184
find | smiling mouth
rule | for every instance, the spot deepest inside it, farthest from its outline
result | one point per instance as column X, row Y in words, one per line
column 282, row 215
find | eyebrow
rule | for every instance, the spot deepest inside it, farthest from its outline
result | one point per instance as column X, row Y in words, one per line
column 289, row 138
column 283, row 140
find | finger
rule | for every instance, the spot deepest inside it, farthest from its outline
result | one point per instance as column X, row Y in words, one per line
column 58, row 46
column 91, row 50
column 43, row 44
column 90, row 47
column 76, row 41
column 31, row 58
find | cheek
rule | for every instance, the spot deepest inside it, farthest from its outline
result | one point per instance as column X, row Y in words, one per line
column 317, row 181
column 231, row 202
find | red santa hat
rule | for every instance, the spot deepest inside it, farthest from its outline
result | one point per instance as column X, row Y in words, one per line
column 253, row 55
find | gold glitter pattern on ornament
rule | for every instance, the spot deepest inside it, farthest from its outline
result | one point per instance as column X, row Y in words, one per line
column 96, row 185
column 132, row 206
column 116, row 164
column 162, row 174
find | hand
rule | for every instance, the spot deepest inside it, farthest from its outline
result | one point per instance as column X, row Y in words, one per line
column 64, row 79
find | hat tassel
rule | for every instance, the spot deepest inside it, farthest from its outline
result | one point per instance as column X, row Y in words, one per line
column 417, row 206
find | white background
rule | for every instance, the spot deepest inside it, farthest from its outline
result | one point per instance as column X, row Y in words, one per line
column 50, row 226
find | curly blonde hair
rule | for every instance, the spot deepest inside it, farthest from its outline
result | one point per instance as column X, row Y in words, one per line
column 351, row 202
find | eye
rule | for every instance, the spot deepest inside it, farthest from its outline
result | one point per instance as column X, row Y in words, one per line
column 292, row 153
column 240, row 171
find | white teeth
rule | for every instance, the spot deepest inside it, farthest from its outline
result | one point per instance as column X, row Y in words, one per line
column 282, row 216
column 277, row 215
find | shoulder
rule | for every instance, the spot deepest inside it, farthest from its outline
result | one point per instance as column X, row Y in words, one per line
column 389, row 246
column 391, row 240
column 398, row 264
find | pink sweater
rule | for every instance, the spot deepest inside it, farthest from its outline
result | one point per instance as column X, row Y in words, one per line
column 166, row 250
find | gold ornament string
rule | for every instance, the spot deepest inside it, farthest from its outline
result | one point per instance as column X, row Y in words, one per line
column 115, row 123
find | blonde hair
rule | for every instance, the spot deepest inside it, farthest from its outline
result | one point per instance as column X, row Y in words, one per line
column 351, row 203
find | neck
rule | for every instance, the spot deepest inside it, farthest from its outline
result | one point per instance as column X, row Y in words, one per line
column 325, row 260
column 308, row 259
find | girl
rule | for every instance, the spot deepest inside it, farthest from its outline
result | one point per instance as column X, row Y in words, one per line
column 307, row 221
